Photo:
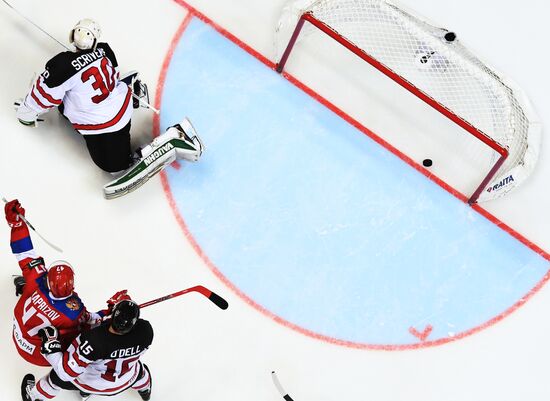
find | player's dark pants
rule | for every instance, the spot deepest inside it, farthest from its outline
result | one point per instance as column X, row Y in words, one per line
column 111, row 151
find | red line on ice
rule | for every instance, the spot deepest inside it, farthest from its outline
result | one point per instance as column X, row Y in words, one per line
column 192, row 12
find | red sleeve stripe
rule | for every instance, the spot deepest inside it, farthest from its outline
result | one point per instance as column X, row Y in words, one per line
column 41, row 391
column 111, row 122
column 66, row 366
column 39, row 102
column 143, row 385
column 45, row 94
column 109, row 390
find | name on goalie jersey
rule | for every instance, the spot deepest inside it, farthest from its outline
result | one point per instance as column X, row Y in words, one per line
column 158, row 153
column 88, row 58
column 125, row 352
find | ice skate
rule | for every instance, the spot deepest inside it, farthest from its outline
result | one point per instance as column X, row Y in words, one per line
column 191, row 146
column 26, row 385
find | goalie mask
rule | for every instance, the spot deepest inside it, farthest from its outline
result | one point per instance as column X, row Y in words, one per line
column 124, row 317
column 85, row 34
column 60, row 279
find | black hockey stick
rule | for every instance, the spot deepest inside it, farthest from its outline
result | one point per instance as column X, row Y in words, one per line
column 280, row 388
column 212, row 296
column 58, row 249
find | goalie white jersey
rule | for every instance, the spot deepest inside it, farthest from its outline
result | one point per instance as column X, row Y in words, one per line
column 85, row 85
column 101, row 362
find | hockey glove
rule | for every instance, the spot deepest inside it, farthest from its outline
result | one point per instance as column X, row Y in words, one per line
column 26, row 115
column 13, row 210
column 50, row 343
column 115, row 299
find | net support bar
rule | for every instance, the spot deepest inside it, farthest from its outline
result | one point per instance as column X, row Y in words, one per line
column 502, row 151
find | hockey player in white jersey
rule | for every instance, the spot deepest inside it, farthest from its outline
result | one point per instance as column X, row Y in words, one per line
column 104, row 360
column 85, row 86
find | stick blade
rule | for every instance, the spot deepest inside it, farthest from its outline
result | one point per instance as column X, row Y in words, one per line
column 218, row 301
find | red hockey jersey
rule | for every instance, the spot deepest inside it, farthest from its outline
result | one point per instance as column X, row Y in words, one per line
column 37, row 308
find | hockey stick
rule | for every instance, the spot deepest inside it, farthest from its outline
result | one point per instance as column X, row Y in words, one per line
column 58, row 249
column 143, row 102
column 212, row 296
column 32, row 23
column 280, row 388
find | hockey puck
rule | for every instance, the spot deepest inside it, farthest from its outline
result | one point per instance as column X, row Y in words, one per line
column 427, row 162
column 450, row 36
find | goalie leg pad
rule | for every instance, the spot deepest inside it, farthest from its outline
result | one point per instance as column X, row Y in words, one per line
column 155, row 158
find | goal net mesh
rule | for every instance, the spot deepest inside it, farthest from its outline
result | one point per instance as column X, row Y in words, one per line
column 437, row 65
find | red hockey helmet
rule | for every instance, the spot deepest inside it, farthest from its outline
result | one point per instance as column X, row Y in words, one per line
column 61, row 279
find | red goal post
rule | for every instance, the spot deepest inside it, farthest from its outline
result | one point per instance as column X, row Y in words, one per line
column 434, row 66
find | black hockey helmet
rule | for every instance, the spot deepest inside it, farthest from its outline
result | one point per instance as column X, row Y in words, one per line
column 124, row 317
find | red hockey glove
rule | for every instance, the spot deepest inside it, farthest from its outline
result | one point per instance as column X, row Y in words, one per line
column 115, row 299
column 13, row 209
column 50, row 343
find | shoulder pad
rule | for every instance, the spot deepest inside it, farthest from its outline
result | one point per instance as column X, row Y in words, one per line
column 108, row 52
column 59, row 69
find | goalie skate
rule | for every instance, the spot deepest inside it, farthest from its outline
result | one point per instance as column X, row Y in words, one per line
column 194, row 147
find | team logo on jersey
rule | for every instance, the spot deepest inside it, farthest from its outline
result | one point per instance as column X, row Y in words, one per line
column 73, row 304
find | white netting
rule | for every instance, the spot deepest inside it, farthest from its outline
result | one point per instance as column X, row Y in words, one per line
column 443, row 69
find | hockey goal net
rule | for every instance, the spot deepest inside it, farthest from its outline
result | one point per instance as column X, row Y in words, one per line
column 433, row 65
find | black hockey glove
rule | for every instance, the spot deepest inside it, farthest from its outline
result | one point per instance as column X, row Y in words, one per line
column 50, row 343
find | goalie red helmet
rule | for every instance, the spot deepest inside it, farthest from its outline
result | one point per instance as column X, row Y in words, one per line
column 61, row 279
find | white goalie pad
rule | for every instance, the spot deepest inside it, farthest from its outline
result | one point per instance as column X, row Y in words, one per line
column 179, row 141
column 139, row 173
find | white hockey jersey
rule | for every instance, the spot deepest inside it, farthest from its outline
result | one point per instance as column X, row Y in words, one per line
column 100, row 362
column 85, row 84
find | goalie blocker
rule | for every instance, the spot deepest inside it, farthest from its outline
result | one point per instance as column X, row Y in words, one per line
column 179, row 141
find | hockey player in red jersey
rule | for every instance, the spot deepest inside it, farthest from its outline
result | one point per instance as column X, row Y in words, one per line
column 104, row 360
column 85, row 85
column 47, row 295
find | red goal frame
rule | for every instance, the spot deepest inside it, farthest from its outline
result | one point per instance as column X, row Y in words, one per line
column 502, row 151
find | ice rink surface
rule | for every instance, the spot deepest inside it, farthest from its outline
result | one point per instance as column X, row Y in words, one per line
column 138, row 243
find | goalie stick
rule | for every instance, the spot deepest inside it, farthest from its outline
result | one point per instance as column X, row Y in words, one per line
column 140, row 100
column 58, row 249
column 280, row 388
